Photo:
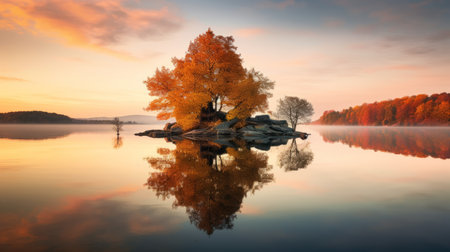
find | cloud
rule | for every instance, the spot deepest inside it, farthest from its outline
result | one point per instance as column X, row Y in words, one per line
column 96, row 25
column 440, row 36
column 251, row 210
column 249, row 32
column 333, row 22
column 419, row 50
column 9, row 78
column 278, row 5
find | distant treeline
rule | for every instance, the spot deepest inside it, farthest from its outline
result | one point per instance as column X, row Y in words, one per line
column 412, row 110
column 45, row 117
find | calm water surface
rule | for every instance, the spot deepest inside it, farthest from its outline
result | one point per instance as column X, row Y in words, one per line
column 78, row 187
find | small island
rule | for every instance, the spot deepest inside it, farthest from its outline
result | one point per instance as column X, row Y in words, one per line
column 211, row 95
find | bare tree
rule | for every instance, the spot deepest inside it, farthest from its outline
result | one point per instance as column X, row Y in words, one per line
column 294, row 110
column 117, row 125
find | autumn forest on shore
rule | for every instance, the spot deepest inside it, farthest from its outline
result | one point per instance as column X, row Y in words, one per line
column 433, row 110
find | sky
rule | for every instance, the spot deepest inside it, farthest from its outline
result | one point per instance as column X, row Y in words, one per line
column 90, row 58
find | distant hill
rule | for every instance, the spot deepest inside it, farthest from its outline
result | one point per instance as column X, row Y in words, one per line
column 34, row 117
column 407, row 111
column 141, row 119
column 44, row 117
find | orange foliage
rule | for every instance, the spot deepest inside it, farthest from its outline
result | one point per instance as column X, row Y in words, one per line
column 413, row 110
column 211, row 72
column 209, row 180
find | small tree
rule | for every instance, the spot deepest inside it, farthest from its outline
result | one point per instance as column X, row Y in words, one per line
column 294, row 110
column 117, row 125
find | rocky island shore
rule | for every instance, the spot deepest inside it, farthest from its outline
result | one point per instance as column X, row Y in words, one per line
column 259, row 129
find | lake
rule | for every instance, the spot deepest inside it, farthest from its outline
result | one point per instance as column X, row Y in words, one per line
column 79, row 187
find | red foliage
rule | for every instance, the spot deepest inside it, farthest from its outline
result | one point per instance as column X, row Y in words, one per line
column 412, row 110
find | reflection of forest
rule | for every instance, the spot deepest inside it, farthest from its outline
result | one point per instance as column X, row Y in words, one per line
column 210, row 180
column 418, row 142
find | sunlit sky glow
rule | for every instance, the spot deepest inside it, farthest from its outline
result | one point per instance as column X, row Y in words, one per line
column 89, row 58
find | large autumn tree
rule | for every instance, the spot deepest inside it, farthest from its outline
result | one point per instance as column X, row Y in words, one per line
column 210, row 75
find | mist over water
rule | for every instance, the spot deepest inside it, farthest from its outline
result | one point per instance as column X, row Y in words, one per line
column 344, row 188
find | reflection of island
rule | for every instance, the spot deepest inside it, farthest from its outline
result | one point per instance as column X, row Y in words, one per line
column 294, row 158
column 45, row 131
column 209, row 179
column 417, row 142
column 33, row 132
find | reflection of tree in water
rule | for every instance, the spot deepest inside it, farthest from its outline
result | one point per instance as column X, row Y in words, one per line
column 294, row 158
column 209, row 180
column 117, row 142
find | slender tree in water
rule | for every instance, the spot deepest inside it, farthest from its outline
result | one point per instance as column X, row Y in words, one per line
column 117, row 125
column 294, row 110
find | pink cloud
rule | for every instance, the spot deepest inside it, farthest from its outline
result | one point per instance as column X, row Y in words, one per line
column 91, row 24
column 249, row 32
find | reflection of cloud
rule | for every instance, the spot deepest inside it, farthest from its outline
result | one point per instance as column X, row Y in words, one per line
column 97, row 219
column 301, row 186
column 90, row 24
column 9, row 78
column 251, row 210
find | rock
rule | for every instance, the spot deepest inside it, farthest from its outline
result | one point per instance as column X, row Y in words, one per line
column 176, row 130
column 158, row 133
column 227, row 124
column 168, row 126
column 251, row 133
column 279, row 141
column 262, row 127
column 262, row 118
column 285, row 130
column 145, row 133
column 302, row 135
column 225, row 132
column 282, row 123
column 260, row 130
column 262, row 146
column 196, row 132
